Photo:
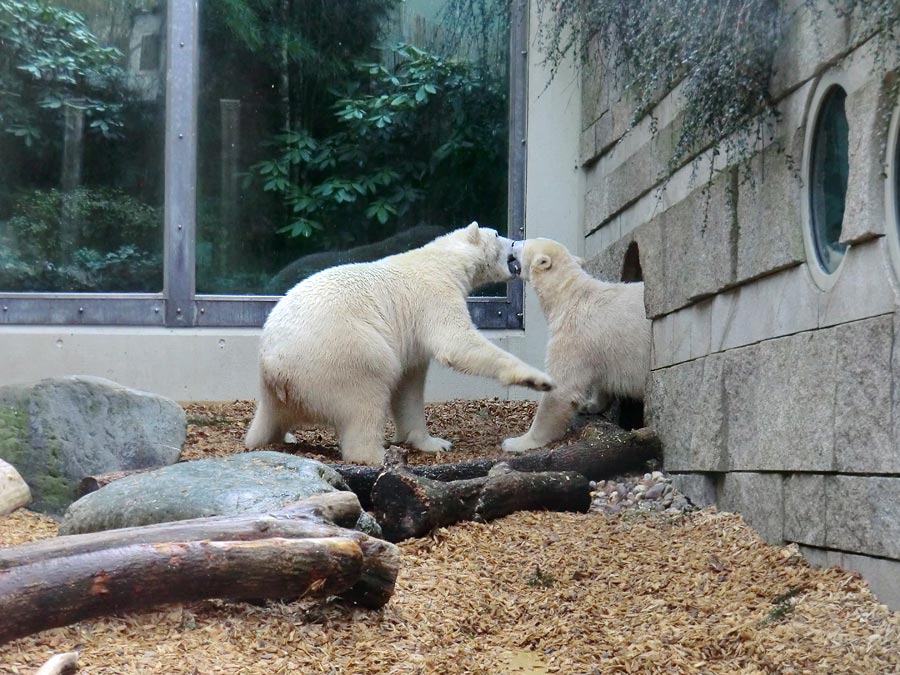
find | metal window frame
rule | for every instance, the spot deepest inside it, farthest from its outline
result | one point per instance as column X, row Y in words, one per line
column 179, row 305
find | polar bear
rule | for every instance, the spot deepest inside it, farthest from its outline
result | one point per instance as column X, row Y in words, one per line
column 351, row 342
column 599, row 342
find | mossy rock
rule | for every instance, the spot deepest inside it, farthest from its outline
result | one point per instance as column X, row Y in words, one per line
column 59, row 430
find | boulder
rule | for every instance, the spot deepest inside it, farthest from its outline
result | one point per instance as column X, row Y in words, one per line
column 59, row 430
column 251, row 482
column 14, row 492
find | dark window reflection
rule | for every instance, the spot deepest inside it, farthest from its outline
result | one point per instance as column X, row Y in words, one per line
column 344, row 131
column 81, row 137
column 829, row 169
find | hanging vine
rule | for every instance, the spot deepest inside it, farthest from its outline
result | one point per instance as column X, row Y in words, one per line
column 721, row 52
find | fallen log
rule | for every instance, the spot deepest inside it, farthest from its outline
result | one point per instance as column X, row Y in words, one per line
column 596, row 457
column 407, row 505
column 308, row 518
column 60, row 591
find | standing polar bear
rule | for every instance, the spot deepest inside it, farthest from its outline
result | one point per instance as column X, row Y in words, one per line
column 599, row 338
column 350, row 342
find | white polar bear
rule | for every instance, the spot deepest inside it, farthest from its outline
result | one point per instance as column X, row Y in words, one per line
column 350, row 342
column 599, row 342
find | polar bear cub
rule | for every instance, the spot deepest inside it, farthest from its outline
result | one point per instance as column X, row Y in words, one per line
column 599, row 342
column 354, row 341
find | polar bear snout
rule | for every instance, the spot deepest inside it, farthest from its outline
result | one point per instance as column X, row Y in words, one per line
column 514, row 261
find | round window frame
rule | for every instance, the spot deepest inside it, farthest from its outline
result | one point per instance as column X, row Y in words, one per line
column 891, row 192
column 823, row 279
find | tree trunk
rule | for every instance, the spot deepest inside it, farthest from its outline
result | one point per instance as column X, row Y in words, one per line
column 596, row 457
column 14, row 492
column 60, row 591
column 407, row 505
column 283, row 554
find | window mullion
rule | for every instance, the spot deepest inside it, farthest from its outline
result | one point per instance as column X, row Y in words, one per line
column 182, row 51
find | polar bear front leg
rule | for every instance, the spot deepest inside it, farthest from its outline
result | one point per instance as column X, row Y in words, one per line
column 550, row 422
column 468, row 351
column 408, row 408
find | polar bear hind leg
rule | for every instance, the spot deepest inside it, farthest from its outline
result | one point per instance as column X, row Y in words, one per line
column 272, row 421
column 408, row 409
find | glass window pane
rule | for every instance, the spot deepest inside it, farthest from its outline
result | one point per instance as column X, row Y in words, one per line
column 345, row 131
column 81, row 136
column 828, row 173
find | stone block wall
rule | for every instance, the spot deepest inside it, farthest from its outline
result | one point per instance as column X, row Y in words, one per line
column 773, row 397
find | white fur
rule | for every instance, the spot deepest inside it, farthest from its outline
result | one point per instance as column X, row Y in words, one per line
column 599, row 342
column 352, row 342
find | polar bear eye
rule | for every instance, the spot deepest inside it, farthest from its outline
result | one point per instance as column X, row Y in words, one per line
column 497, row 235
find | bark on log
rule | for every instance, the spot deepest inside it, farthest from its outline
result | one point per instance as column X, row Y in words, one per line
column 60, row 664
column 407, row 505
column 14, row 492
column 60, row 591
column 595, row 458
column 303, row 519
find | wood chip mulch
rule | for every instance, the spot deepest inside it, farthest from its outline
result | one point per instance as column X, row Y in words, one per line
column 575, row 594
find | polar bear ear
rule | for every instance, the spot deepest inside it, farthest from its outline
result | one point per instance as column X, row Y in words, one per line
column 579, row 261
column 543, row 262
column 472, row 231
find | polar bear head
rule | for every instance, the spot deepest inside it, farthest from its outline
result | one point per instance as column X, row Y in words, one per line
column 486, row 256
column 540, row 259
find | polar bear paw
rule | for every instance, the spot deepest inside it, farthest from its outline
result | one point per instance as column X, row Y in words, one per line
column 519, row 444
column 430, row 443
column 534, row 379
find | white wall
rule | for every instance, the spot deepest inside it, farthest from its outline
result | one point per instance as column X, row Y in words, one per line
column 220, row 364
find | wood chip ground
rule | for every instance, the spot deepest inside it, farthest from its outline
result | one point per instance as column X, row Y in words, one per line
column 575, row 594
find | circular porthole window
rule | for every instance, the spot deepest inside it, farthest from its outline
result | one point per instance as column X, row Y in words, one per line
column 827, row 169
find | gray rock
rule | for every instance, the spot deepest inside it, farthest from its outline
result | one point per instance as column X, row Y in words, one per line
column 655, row 492
column 59, row 430
column 246, row 483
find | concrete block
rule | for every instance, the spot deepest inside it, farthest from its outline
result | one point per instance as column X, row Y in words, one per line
column 661, row 341
column 895, row 391
column 862, row 408
column 696, row 248
column 864, row 215
column 779, row 412
column 804, row 508
column 594, row 95
column 807, row 44
column 700, row 488
column 605, row 260
column 669, row 411
column 768, row 213
column 780, row 304
column 587, row 150
column 701, row 326
column 757, row 497
column 863, row 515
column 883, row 576
column 709, row 440
column 862, row 289
column 684, row 406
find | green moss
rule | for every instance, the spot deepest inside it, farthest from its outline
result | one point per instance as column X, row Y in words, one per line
column 53, row 493
column 14, row 434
